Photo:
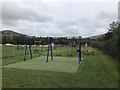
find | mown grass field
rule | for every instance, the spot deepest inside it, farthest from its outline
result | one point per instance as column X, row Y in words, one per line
column 8, row 58
column 0, row 67
column 58, row 64
column 95, row 71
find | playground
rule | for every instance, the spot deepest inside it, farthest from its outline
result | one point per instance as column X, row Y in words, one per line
column 62, row 58
column 59, row 44
column 95, row 71
column 59, row 68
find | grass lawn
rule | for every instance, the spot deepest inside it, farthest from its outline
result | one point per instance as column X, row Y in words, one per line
column 8, row 58
column 95, row 71
column 0, row 67
column 59, row 64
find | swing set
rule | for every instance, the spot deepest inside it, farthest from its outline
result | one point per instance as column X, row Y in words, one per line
column 37, row 47
column 49, row 49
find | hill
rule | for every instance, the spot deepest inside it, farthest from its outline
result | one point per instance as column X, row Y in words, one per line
column 10, row 32
column 96, row 37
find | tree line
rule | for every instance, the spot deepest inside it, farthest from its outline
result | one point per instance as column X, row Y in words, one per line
column 110, row 42
column 21, row 40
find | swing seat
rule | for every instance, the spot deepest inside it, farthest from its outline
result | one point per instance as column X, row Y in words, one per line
column 69, row 55
column 58, row 54
column 35, row 51
column 40, row 53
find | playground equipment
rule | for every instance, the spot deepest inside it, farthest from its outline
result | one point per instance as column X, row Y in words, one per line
column 71, row 48
column 37, row 47
column 66, row 48
column 79, row 49
column 28, row 43
column 86, row 51
column 70, row 53
column 58, row 50
column 49, row 47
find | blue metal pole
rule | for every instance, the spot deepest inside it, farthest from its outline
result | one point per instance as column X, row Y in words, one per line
column 48, row 49
column 51, row 50
column 26, row 49
column 79, row 49
column 30, row 48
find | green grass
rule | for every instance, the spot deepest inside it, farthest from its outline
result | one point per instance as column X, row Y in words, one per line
column 95, row 71
column 0, row 73
column 63, row 50
column 8, row 58
column 9, row 51
column 59, row 64
column 0, row 67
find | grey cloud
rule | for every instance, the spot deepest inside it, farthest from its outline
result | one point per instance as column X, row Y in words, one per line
column 88, row 25
column 119, row 11
column 51, row 22
column 9, row 22
column 71, row 30
column 63, row 24
column 83, row 26
column 107, row 16
column 13, row 12
column 92, row 22
column 67, row 27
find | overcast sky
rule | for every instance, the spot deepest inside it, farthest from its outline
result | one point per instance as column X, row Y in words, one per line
column 59, row 18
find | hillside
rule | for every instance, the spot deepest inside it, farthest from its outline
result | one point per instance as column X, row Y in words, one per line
column 10, row 32
column 96, row 37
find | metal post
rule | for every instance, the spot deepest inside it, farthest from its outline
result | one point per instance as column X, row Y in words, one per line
column 26, row 49
column 48, row 49
column 51, row 50
column 30, row 48
column 28, row 42
column 79, row 49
